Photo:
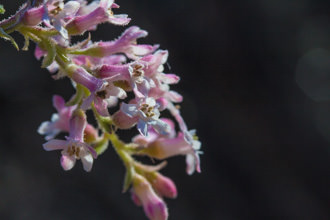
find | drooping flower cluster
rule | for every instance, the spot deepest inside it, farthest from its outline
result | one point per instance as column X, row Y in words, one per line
column 103, row 74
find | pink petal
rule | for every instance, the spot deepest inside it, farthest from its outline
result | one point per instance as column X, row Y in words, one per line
column 55, row 145
column 58, row 102
column 67, row 162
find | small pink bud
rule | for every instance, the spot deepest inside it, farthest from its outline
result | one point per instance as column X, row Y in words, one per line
column 135, row 199
column 90, row 134
column 123, row 121
column 33, row 16
column 163, row 185
column 154, row 207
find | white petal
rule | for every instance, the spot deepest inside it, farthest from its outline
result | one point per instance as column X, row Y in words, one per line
column 106, row 3
column 87, row 162
column 45, row 127
column 55, row 117
column 142, row 127
column 112, row 101
column 70, row 8
column 129, row 109
column 190, row 161
column 151, row 101
column 59, row 27
column 160, row 126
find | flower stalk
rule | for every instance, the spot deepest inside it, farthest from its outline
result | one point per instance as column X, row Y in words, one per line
column 103, row 74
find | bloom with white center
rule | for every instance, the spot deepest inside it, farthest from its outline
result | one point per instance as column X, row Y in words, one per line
column 139, row 83
column 74, row 148
column 165, row 147
column 104, row 98
column 59, row 14
column 148, row 114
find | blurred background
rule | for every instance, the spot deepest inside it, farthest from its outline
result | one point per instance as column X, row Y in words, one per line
column 256, row 82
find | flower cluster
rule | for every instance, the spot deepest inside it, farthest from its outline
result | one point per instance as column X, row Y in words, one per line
column 104, row 74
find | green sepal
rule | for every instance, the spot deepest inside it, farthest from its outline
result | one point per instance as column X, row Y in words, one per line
column 6, row 36
column 26, row 43
column 106, row 124
column 92, row 51
column 101, row 146
column 2, row 9
column 51, row 53
column 76, row 99
column 128, row 178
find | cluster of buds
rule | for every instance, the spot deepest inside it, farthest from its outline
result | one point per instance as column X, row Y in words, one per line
column 103, row 74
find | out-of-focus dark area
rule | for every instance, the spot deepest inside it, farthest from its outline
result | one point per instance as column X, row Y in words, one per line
column 256, row 80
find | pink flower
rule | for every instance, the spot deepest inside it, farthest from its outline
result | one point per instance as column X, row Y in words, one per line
column 101, row 98
column 81, row 76
column 34, row 16
column 98, row 15
column 162, row 147
column 59, row 14
column 148, row 113
column 163, row 185
column 154, row 207
column 74, row 147
column 126, row 44
column 16, row 18
column 59, row 121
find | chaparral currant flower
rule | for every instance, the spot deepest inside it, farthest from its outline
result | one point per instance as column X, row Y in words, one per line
column 102, row 74
column 126, row 44
column 102, row 13
column 147, row 111
column 60, row 14
column 59, row 121
column 74, row 147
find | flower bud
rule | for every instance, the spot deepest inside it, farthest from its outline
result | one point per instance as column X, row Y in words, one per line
column 154, row 207
column 90, row 134
column 33, row 16
column 81, row 76
column 123, row 121
column 135, row 199
column 163, row 185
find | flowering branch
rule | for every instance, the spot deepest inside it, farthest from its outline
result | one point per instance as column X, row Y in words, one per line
column 103, row 73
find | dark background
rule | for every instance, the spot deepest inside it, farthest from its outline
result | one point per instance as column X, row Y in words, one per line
column 256, row 81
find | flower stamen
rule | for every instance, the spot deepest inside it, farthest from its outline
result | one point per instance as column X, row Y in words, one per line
column 147, row 110
column 73, row 150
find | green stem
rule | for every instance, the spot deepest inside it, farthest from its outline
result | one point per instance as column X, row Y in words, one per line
column 120, row 149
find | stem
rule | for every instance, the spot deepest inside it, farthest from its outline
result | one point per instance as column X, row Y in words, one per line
column 120, row 149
